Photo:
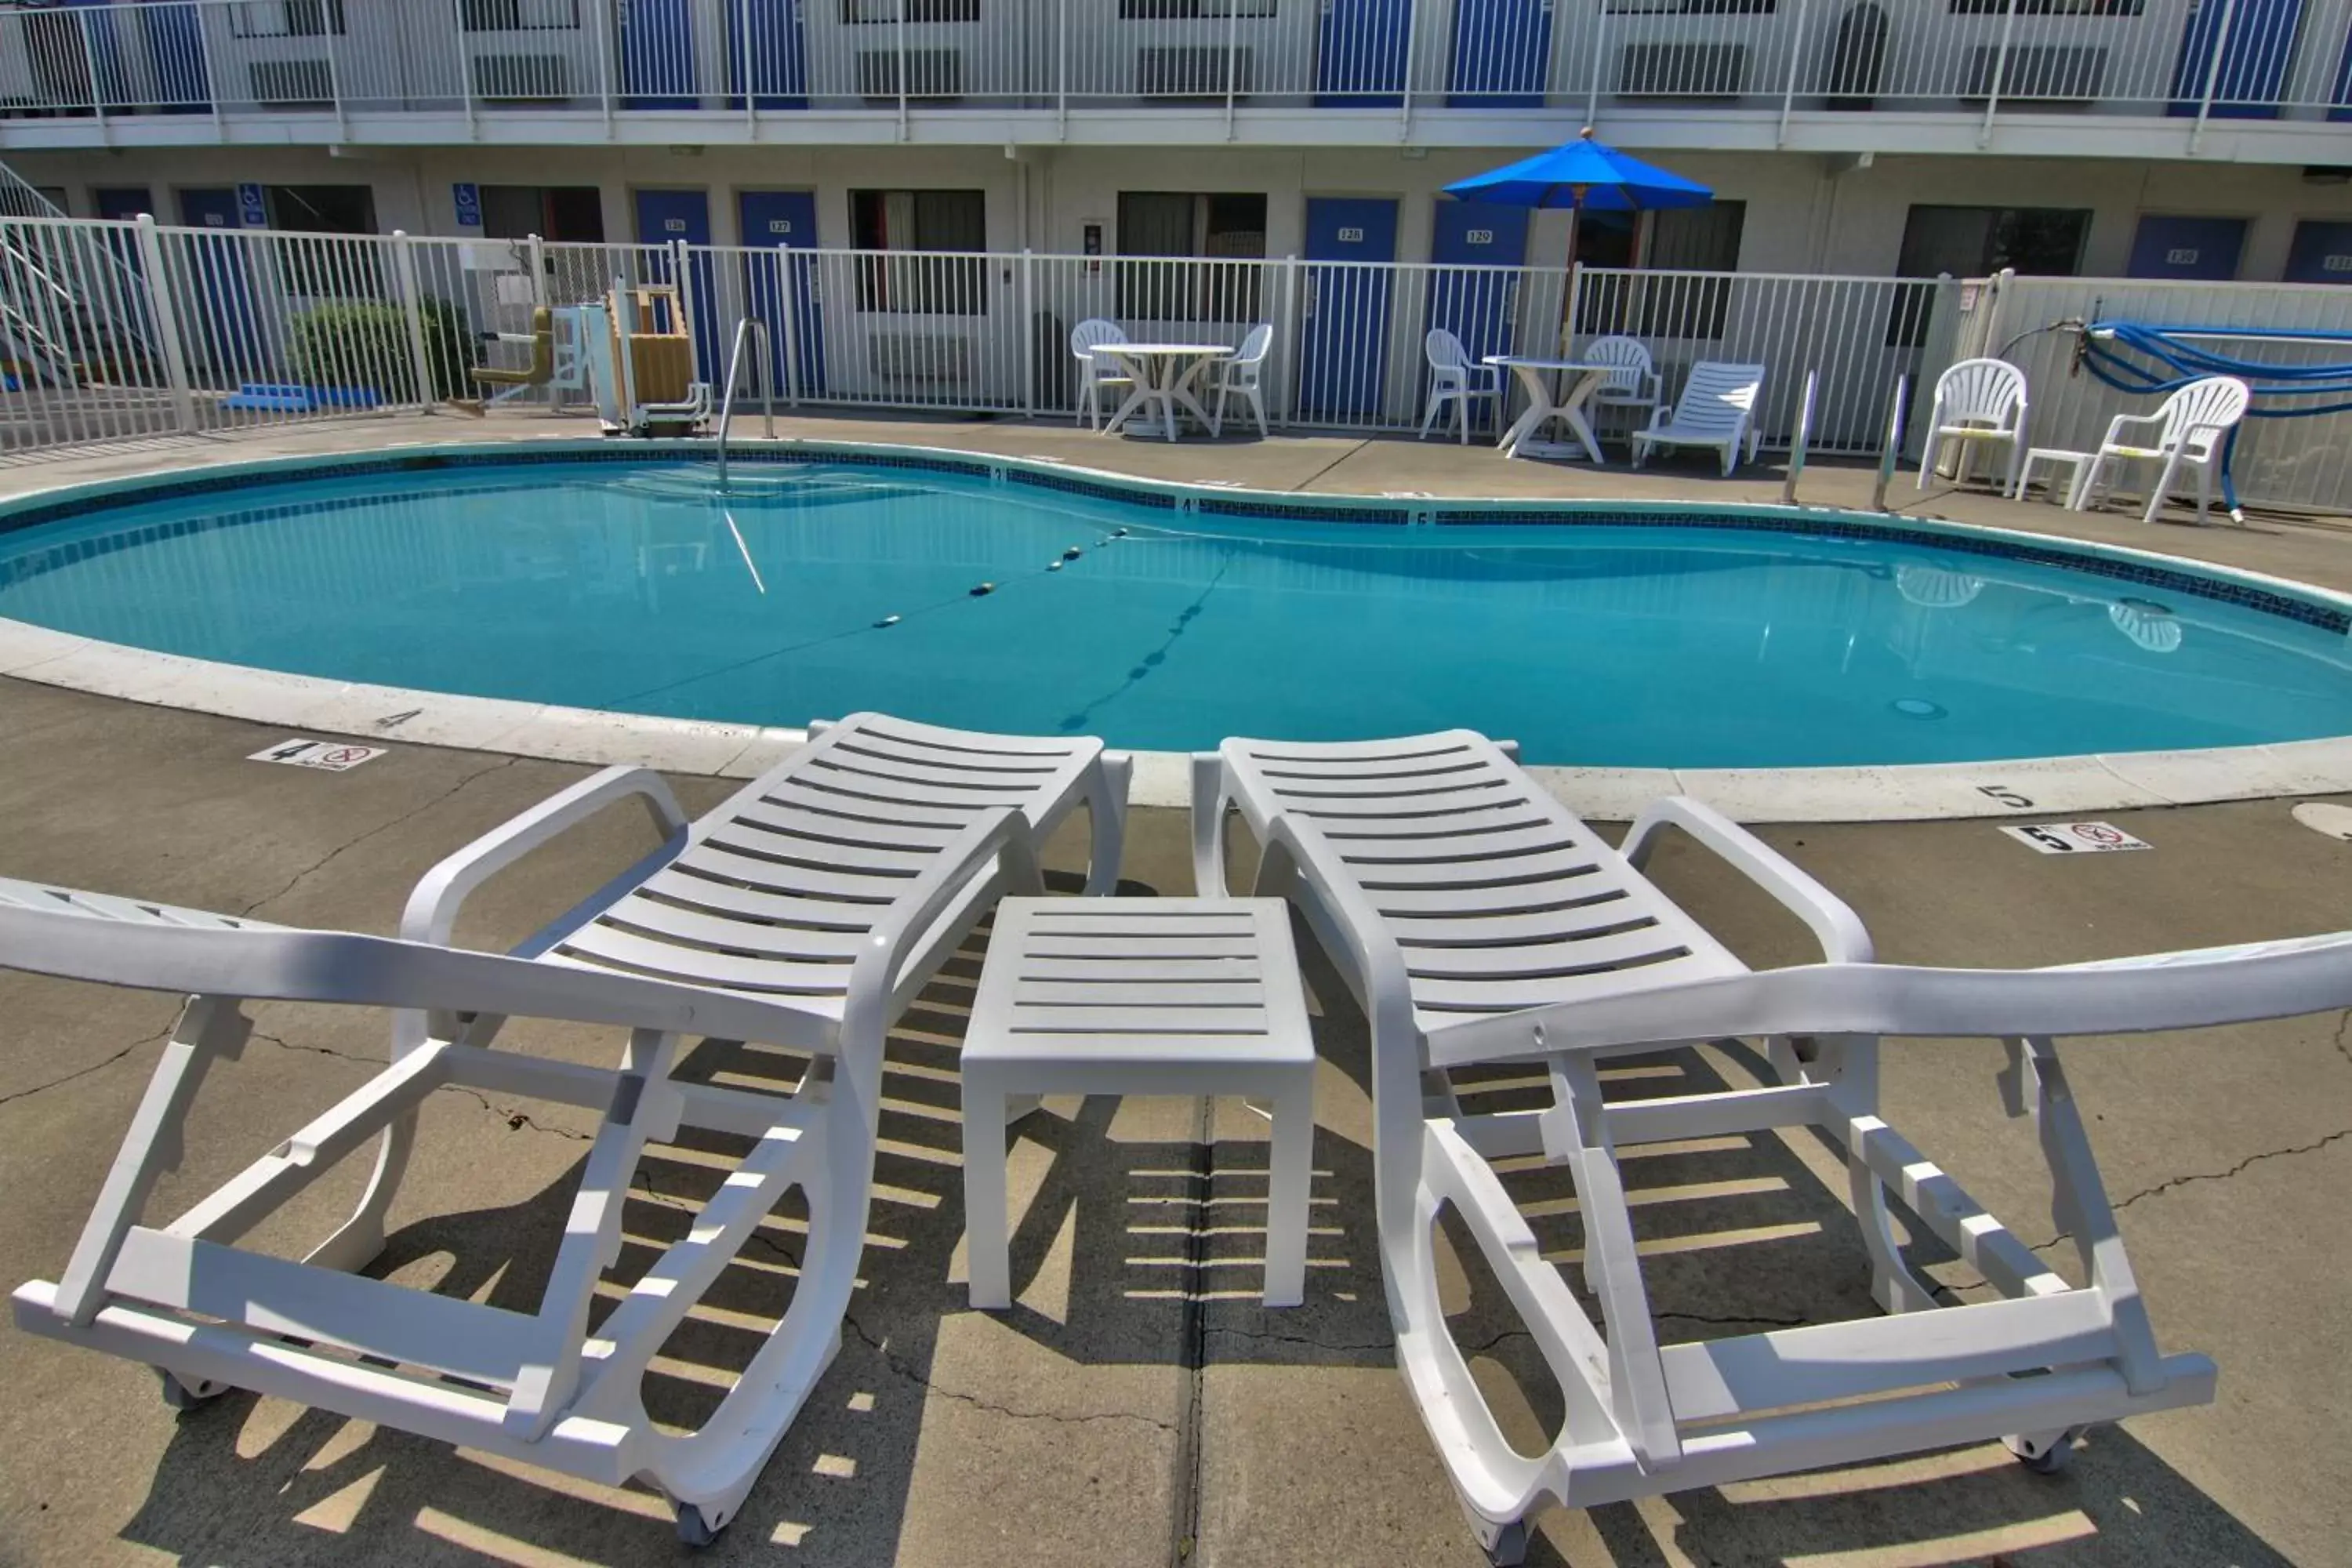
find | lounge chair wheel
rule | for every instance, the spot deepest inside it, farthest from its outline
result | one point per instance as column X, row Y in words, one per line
column 1507, row 1547
column 181, row 1395
column 693, row 1530
column 2043, row 1455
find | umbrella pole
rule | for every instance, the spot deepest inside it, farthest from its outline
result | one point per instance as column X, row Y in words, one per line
column 1568, row 300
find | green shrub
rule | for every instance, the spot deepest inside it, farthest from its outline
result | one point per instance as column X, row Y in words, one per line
column 366, row 341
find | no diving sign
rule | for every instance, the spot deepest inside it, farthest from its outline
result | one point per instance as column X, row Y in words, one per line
column 334, row 756
column 2076, row 837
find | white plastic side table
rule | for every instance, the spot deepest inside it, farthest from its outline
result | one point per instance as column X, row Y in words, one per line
column 1175, row 996
column 2075, row 463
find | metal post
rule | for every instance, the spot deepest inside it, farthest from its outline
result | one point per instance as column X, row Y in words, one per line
column 607, row 29
column 1232, row 57
column 404, row 267
column 205, row 63
column 1803, row 439
column 1294, row 335
column 1062, row 70
column 537, row 249
column 2212, row 72
column 335, row 71
column 465, row 68
column 1788, row 91
column 751, row 96
column 1028, row 333
column 788, row 305
column 902, row 69
column 1600, row 39
column 166, row 317
column 1887, row 459
column 2000, row 70
column 1412, row 53
column 89, row 54
column 685, row 300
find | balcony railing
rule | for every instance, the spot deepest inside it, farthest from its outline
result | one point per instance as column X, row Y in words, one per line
column 333, row 62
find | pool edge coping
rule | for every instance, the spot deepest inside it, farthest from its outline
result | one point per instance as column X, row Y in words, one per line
column 1885, row 793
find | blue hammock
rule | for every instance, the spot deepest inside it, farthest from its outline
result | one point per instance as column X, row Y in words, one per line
column 2168, row 363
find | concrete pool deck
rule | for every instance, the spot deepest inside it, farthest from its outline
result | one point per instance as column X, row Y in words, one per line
column 2308, row 552
column 1137, row 1405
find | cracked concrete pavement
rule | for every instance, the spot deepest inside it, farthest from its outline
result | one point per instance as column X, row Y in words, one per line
column 1137, row 1405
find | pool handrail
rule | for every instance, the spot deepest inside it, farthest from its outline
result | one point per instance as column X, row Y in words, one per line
column 744, row 330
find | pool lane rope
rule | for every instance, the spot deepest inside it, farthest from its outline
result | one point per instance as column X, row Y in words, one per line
column 2170, row 360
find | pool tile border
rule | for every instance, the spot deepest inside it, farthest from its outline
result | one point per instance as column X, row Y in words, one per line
column 1898, row 793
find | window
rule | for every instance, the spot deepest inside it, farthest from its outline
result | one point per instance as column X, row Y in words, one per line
column 1683, row 239
column 1694, row 7
column 321, row 266
column 521, row 15
column 286, row 18
column 1975, row 242
column 2047, row 7
column 1192, row 10
column 918, row 221
column 551, row 212
column 1182, row 223
column 917, row 10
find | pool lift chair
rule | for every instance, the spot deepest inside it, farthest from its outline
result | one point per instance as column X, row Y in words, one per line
column 642, row 365
column 802, row 915
column 558, row 359
column 1478, row 922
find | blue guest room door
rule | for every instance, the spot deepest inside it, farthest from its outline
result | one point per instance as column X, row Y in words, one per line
column 772, row 218
column 1502, row 54
column 1344, row 345
column 1480, row 307
column 2198, row 249
column 767, row 53
column 1359, row 50
column 656, row 54
column 664, row 217
column 213, row 270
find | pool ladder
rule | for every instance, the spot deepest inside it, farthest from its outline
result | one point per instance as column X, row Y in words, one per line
column 744, row 330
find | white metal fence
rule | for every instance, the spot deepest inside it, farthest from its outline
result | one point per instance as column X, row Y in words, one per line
column 113, row 330
column 2303, row 462
column 338, row 58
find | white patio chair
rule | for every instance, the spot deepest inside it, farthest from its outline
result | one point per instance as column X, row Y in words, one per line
column 1478, row 922
column 1094, row 374
column 1979, row 403
column 2193, row 431
column 1242, row 375
column 1718, row 409
column 1636, row 385
column 803, row 913
column 1453, row 378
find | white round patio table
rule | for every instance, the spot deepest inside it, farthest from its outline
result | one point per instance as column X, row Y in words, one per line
column 1163, row 374
column 1578, row 381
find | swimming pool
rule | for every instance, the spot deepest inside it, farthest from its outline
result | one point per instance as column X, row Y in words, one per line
column 1013, row 597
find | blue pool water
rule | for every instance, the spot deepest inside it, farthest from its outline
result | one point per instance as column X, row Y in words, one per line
column 628, row 587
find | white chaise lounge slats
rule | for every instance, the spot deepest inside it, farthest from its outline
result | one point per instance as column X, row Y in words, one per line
column 1481, row 974
column 1716, row 410
column 803, row 913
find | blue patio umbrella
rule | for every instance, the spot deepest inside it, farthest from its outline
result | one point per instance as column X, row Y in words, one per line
column 1584, row 175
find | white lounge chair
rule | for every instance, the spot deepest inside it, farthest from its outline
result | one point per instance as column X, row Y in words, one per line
column 1635, row 385
column 1718, row 410
column 2193, row 431
column 1478, row 922
column 803, row 913
column 1241, row 375
column 1094, row 374
column 1453, row 379
column 1979, row 403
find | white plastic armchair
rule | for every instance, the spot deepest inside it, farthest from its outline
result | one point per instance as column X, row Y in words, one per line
column 1453, row 379
column 2191, row 431
column 1636, row 384
column 1242, row 375
column 1094, row 373
column 1716, row 410
column 1979, row 403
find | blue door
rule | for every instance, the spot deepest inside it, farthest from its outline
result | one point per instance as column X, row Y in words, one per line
column 2204, row 250
column 108, row 79
column 211, row 289
column 1502, row 51
column 2322, row 252
column 766, row 54
column 2254, row 58
column 656, row 54
column 175, row 44
column 1344, row 343
column 787, row 219
column 1478, row 306
column 1359, row 50
column 664, row 217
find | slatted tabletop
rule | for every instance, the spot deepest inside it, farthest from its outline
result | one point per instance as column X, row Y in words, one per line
column 1140, row 981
